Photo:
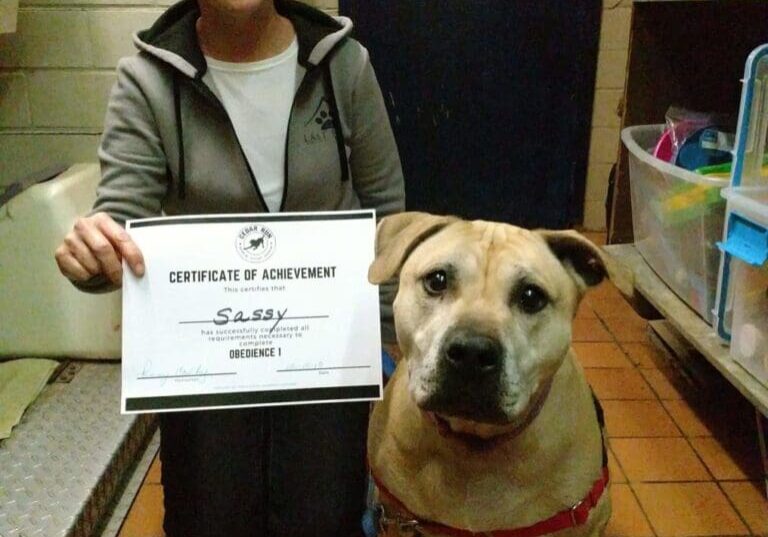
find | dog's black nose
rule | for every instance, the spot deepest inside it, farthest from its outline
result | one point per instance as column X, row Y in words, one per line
column 474, row 354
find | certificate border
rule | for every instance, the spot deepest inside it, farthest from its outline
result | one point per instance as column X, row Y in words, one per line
column 253, row 398
column 283, row 217
column 269, row 397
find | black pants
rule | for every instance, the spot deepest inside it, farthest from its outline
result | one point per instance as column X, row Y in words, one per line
column 271, row 472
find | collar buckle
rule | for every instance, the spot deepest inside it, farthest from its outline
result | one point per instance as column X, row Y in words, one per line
column 578, row 517
column 406, row 527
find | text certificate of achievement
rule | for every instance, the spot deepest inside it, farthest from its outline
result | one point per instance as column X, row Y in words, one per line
column 251, row 310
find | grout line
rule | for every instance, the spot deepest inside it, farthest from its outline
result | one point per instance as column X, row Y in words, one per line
column 735, row 509
column 626, row 476
column 686, row 438
column 88, row 8
column 8, row 70
column 63, row 131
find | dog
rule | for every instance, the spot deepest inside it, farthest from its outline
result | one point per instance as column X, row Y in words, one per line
column 488, row 426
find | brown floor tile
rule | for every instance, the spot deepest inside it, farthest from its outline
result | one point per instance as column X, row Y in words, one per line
column 663, row 383
column 750, row 501
column 590, row 330
column 618, row 384
column 601, row 354
column 688, row 509
column 638, row 419
column 614, row 470
column 627, row 519
column 598, row 237
column 720, row 414
column 604, row 291
column 644, row 355
column 154, row 474
column 628, row 329
column 614, row 307
column 658, row 459
column 687, row 418
column 733, row 458
column 145, row 518
column 585, row 311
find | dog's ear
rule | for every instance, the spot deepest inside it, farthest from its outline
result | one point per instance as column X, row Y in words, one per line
column 587, row 264
column 399, row 235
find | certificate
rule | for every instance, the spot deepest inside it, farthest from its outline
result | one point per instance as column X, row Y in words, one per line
column 251, row 310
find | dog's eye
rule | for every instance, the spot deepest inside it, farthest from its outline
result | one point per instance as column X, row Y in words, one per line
column 532, row 299
column 436, row 282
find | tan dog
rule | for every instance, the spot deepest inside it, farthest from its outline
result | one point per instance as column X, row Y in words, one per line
column 488, row 423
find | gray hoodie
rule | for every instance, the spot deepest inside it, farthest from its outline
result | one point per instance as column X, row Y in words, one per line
column 169, row 145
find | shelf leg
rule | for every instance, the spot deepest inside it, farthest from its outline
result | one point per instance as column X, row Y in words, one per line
column 762, row 436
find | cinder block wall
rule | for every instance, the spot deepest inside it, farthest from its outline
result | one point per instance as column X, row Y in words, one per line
column 57, row 69
column 609, row 91
column 56, row 72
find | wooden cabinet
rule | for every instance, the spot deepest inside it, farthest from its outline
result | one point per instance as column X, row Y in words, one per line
column 682, row 53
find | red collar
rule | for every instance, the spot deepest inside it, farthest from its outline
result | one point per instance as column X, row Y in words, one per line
column 568, row 518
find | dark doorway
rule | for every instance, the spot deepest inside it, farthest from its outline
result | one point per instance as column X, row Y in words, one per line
column 490, row 100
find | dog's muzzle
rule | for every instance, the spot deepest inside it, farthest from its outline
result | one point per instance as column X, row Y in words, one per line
column 473, row 355
column 468, row 378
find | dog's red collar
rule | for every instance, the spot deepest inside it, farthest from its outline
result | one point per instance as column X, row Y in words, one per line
column 568, row 518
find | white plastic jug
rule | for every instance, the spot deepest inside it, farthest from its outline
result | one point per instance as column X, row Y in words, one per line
column 41, row 313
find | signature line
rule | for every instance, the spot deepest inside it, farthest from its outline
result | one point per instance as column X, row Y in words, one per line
column 324, row 368
column 187, row 376
column 260, row 320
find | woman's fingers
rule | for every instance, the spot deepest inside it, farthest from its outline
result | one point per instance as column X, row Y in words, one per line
column 122, row 243
column 101, row 248
column 71, row 267
column 97, row 245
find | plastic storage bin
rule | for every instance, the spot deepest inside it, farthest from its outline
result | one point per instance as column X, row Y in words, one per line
column 750, row 168
column 41, row 313
column 748, row 290
column 749, row 331
column 677, row 217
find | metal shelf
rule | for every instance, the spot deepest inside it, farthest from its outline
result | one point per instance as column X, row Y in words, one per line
column 67, row 459
column 690, row 325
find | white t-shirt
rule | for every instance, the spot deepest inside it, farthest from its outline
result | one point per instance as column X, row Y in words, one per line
column 258, row 97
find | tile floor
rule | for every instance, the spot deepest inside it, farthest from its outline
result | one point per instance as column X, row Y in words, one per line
column 684, row 462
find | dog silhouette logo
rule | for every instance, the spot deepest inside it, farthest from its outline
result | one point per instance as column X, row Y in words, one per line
column 255, row 243
column 322, row 115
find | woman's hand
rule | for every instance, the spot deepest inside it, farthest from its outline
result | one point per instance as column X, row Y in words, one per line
column 95, row 246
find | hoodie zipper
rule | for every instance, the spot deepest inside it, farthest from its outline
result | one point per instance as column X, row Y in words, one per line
column 208, row 94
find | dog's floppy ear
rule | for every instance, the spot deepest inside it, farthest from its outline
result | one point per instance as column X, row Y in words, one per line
column 585, row 262
column 397, row 236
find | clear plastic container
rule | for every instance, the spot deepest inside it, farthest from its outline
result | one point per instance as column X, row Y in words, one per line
column 41, row 313
column 677, row 217
column 749, row 331
column 748, row 286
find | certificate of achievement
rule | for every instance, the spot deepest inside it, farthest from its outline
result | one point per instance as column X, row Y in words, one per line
column 251, row 310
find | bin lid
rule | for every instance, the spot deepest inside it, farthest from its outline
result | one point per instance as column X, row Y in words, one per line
column 750, row 149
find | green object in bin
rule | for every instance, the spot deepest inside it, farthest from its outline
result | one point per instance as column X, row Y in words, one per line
column 724, row 170
column 688, row 201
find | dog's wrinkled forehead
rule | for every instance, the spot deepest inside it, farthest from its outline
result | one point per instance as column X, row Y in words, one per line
column 488, row 250
column 407, row 241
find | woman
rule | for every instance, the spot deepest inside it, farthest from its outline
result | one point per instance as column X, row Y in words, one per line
column 245, row 106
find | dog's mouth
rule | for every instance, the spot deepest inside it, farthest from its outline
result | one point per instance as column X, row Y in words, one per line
column 460, row 427
column 484, row 434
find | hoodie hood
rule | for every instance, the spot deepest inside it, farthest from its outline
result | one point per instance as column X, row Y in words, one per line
column 173, row 37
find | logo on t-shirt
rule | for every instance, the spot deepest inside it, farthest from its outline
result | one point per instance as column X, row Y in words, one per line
column 255, row 243
column 320, row 122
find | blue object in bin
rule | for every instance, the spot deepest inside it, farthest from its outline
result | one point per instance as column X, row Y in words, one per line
column 746, row 241
column 703, row 148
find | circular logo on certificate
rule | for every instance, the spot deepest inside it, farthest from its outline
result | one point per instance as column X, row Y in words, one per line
column 255, row 243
